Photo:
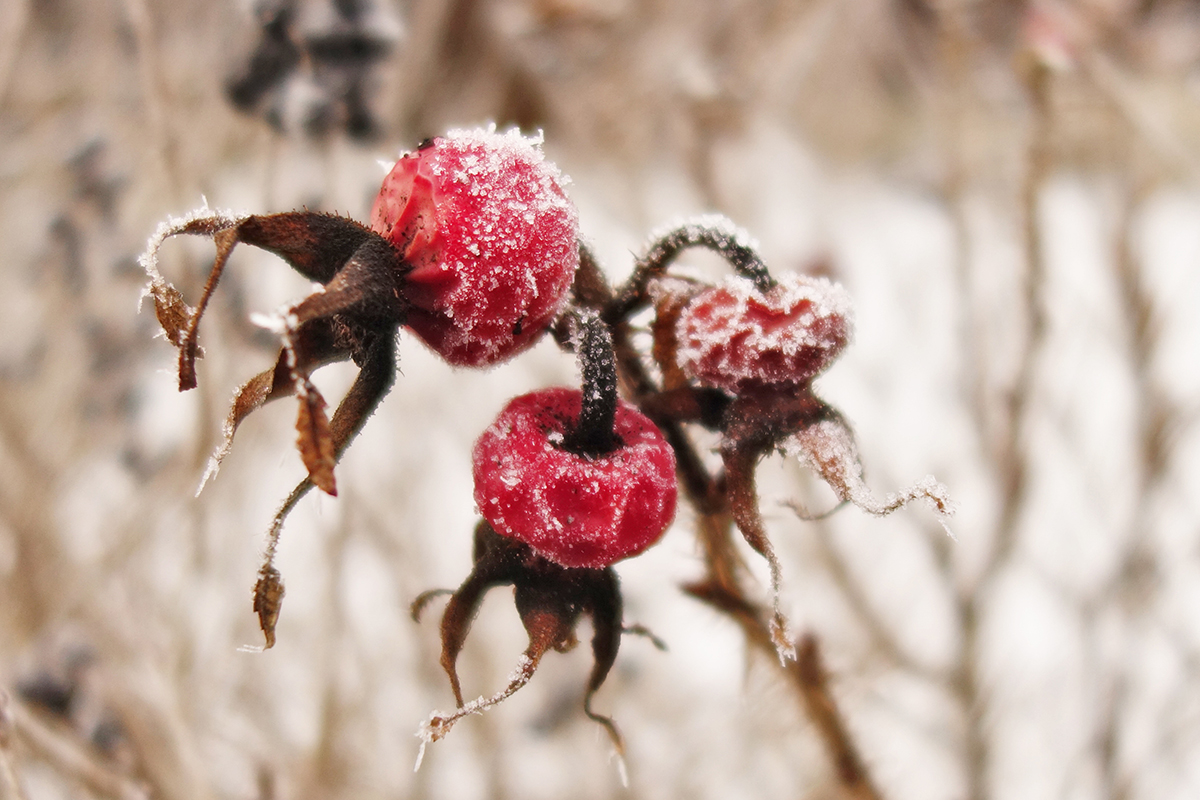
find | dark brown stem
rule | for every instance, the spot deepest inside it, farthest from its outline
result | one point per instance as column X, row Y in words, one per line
column 716, row 234
column 722, row 587
column 808, row 676
column 593, row 434
column 813, row 682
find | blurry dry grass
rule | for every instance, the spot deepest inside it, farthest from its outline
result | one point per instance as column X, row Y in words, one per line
column 1009, row 190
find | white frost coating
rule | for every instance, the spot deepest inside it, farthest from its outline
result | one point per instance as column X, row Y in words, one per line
column 734, row 334
column 214, row 461
column 274, row 322
column 439, row 724
column 171, row 227
column 508, row 238
column 670, row 287
column 719, row 223
column 223, row 449
column 622, row 768
column 828, row 449
column 781, row 635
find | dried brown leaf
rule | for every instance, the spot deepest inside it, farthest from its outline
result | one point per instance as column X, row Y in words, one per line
column 172, row 312
column 315, row 441
column 268, row 600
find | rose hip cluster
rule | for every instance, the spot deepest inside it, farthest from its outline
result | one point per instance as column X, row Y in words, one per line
column 473, row 247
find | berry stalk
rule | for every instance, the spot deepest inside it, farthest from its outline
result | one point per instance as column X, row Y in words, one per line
column 593, row 434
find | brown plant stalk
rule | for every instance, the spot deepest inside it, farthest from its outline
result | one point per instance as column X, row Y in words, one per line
column 723, row 587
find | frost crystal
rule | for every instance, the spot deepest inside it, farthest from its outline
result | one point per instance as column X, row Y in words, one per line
column 576, row 511
column 482, row 218
column 733, row 336
column 828, row 448
column 203, row 218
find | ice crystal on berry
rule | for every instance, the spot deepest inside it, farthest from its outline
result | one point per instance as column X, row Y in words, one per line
column 483, row 220
column 733, row 336
column 474, row 246
column 578, row 510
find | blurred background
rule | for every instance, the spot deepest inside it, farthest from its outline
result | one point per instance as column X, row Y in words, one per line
column 1008, row 189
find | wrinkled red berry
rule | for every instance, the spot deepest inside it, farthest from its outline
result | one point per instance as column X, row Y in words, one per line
column 734, row 337
column 577, row 510
column 482, row 219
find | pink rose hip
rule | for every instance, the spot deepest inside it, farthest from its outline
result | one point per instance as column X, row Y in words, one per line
column 492, row 240
column 576, row 509
column 734, row 337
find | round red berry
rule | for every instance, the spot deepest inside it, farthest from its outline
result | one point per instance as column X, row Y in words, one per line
column 578, row 510
column 482, row 219
column 734, row 337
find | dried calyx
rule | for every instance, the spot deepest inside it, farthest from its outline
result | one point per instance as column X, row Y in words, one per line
column 760, row 344
column 568, row 483
column 550, row 599
column 473, row 246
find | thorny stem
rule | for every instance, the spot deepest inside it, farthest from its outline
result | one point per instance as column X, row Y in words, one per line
column 635, row 382
column 812, row 680
column 807, row 675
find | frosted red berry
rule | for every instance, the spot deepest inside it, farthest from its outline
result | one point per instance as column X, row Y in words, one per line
column 734, row 337
column 577, row 510
column 482, row 219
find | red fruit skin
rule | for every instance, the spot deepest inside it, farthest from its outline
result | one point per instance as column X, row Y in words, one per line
column 734, row 337
column 482, row 219
column 575, row 510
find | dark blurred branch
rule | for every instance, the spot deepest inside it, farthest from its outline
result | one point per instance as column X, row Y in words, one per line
column 851, row 589
column 155, row 96
column 65, row 753
column 806, row 674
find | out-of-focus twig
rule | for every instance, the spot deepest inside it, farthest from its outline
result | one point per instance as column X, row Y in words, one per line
column 153, row 93
column 66, row 754
column 10, row 786
column 1129, row 99
column 15, row 21
column 1002, row 422
column 856, row 598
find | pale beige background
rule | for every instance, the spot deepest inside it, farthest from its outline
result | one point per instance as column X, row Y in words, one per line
column 1008, row 190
